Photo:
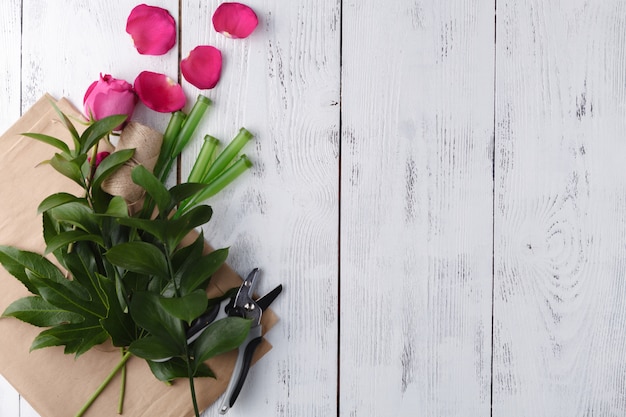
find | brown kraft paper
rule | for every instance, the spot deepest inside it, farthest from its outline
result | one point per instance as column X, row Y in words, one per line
column 55, row 384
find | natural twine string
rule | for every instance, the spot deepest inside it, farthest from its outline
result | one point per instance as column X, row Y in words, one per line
column 147, row 144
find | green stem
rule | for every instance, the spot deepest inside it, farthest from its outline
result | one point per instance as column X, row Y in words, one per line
column 227, row 155
column 191, row 385
column 187, row 129
column 120, row 403
column 202, row 164
column 217, row 185
column 191, row 123
column 171, row 132
column 104, row 384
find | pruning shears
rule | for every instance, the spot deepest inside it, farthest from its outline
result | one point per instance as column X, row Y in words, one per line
column 242, row 305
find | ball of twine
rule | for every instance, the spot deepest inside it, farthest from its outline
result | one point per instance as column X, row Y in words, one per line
column 147, row 144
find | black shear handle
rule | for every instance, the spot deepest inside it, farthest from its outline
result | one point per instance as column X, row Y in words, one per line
column 242, row 366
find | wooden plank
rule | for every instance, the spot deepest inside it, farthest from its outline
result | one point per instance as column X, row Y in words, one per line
column 9, row 400
column 560, row 211
column 416, row 208
column 62, row 56
column 10, row 62
column 63, row 59
column 281, row 83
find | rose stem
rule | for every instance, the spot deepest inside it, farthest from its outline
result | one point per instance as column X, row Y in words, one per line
column 187, row 129
column 218, row 184
column 173, row 127
column 227, row 155
column 104, row 384
column 191, row 123
column 201, row 166
column 120, row 404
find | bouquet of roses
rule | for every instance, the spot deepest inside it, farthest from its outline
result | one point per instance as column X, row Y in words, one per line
column 121, row 272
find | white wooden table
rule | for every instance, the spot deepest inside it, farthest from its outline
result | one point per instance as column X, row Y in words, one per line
column 438, row 184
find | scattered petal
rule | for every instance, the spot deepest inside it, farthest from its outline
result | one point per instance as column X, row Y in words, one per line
column 109, row 96
column 153, row 29
column 159, row 92
column 203, row 67
column 234, row 20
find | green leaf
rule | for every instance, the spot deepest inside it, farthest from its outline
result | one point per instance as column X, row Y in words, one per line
column 118, row 324
column 18, row 262
column 194, row 276
column 77, row 214
column 140, row 257
column 177, row 368
column 183, row 259
column 187, row 307
column 155, row 227
column 110, row 164
column 185, row 190
column 65, row 238
column 221, row 336
column 56, row 200
column 154, row 187
column 189, row 253
column 68, row 124
column 69, row 296
column 180, row 227
column 152, row 348
column 117, row 207
column 81, row 261
column 77, row 338
column 148, row 313
column 100, row 129
column 38, row 312
column 69, row 168
column 59, row 144
column 100, row 199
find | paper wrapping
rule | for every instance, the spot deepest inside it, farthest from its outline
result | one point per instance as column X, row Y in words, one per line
column 55, row 384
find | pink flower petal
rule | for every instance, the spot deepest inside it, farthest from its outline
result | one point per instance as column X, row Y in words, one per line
column 153, row 29
column 203, row 67
column 159, row 92
column 234, row 20
column 109, row 96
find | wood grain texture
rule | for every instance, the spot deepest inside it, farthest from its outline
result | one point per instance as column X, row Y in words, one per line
column 10, row 103
column 282, row 84
column 9, row 400
column 10, row 62
column 67, row 44
column 560, row 219
column 416, row 204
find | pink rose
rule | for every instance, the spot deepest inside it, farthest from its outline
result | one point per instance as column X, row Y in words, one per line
column 109, row 96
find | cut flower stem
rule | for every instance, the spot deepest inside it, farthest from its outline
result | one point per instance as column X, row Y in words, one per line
column 218, row 184
column 227, row 155
column 203, row 162
column 186, row 131
column 171, row 132
column 104, row 384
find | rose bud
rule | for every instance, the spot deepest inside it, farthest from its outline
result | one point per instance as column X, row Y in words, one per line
column 99, row 157
column 234, row 20
column 109, row 96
